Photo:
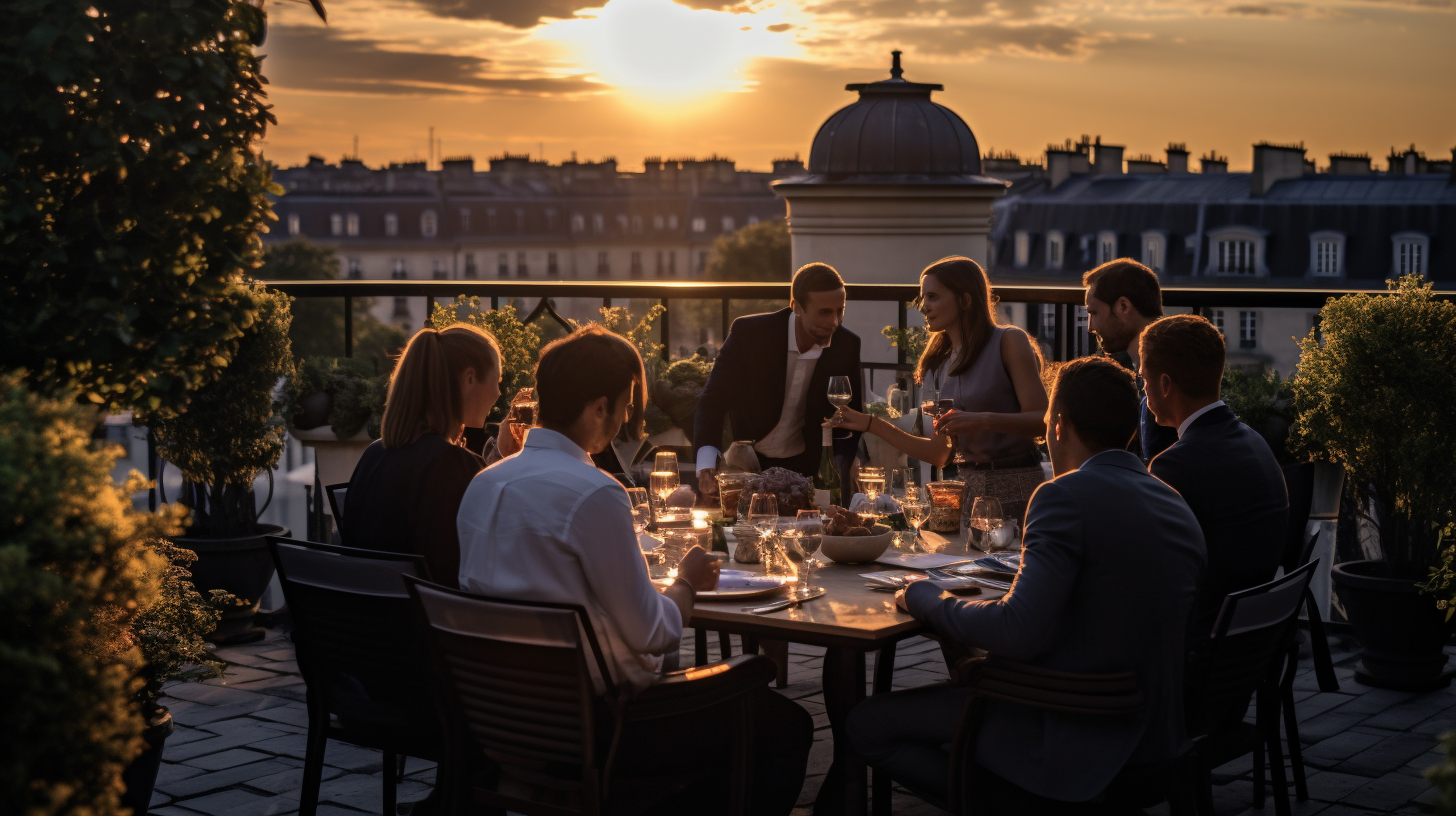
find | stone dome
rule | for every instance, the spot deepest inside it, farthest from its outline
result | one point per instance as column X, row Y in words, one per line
column 894, row 130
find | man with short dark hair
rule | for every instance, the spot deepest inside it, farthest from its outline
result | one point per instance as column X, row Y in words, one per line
column 1220, row 466
column 771, row 380
column 546, row 525
column 1110, row 568
column 1123, row 297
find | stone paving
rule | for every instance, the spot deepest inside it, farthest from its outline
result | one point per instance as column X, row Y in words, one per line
column 239, row 745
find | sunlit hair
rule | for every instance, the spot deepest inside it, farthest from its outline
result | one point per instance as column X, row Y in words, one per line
column 584, row 366
column 811, row 278
column 967, row 283
column 1189, row 350
column 424, row 390
column 1099, row 399
column 1126, row 278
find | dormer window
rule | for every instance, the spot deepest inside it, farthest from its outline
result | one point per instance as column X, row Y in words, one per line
column 391, row 224
column 1327, row 254
column 295, row 224
column 1021, row 251
column 1236, row 251
column 672, row 222
column 429, row 224
column 1106, row 246
column 1056, row 249
column 336, row 224
column 1411, row 250
column 351, row 225
column 622, row 224
column 1155, row 250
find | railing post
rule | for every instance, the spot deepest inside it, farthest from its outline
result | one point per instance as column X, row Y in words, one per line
column 726, row 322
column 666, row 332
column 494, row 302
column 1059, row 351
column 348, row 326
column 606, row 303
column 904, row 324
column 151, row 472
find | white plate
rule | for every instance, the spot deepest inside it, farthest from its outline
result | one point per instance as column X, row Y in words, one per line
column 738, row 584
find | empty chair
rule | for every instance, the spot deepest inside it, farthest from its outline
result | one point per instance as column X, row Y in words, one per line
column 360, row 656
column 336, row 494
column 533, row 718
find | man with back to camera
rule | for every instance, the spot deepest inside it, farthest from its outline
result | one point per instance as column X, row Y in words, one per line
column 547, row 525
column 1111, row 563
column 1220, row 466
column 771, row 380
column 1123, row 297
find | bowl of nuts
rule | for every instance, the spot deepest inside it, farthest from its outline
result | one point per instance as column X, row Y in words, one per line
column 850, row 539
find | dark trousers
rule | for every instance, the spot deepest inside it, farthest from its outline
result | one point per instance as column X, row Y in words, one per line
column 777, row 756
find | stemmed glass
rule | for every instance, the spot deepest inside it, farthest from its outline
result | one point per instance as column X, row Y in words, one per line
column 523, row 413
column 930, row 407
column 872, row 482
column 663, row 483
column 902, row 481
column 985, row 522
column 808, row 534
column 763, row 514
column 665, row 462
column 839, row 394
column 641, row 508
column 916, row 509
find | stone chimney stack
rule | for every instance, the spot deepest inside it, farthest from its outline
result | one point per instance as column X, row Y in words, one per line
column 1274, row 163
column 1177, row 158
column 1065, row 161
column 1107, row 159
column 1349, row 164
column 1214, row 163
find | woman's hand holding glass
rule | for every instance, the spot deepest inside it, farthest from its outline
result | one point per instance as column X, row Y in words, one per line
column 955, row 422
column 851, row 419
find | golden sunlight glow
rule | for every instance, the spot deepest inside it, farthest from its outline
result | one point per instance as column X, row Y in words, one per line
column 659, row 50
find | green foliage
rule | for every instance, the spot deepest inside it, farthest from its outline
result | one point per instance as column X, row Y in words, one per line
column 1376, row 396
column 233, row 430
column 1443, row 776
column 519, row 342
column 131, row 197
column 912, row 340
column 673, row 397
column 170, row 630
column 318, row 323
column 757, row 252
column 358, row 393
column 75, row 569
column 1442, row 582
column 618, row 320
column 1262, row 401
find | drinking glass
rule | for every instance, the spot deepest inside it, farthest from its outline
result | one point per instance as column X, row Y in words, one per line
column 663, row 483
column 641, row 508
column 872, row 482
column 839, row 394
column 763, row 512
column 810, row 528
column 929, row 404
column 902, row 482
column 665, row 462
column 523, row 413
column 916, row 510
column 784, row 551
column 986, row 518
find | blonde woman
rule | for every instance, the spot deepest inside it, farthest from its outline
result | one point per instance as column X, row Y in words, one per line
column 406, row 490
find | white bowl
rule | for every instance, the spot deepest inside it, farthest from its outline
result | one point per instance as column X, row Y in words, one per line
column 857, row 549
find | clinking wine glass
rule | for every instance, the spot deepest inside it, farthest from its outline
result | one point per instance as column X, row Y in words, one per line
column 839, row 394
column 985, row 522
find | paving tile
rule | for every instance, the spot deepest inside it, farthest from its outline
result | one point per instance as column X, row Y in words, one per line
column 214, row 804
column 369, row 794
column 293, row 745
column 269, row 681
column 1332, row 786
column 278, row 654
column 244, row 656
column 1414, row 712
column 226, row 759
column 209, row 694
column 236, row 737
column 1326, row 725
column 233, row 675
column 1342, row 746
column 159, row 799
column 202, row 714
column 1317, row 704
column 217, row 780
column 1387, row 755
column 175, row 772
column 288, row 781
column 169, row 810
column 1387, row 793
column 1377, row 700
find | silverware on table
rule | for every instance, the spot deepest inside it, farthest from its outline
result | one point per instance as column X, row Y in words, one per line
column 784, row 604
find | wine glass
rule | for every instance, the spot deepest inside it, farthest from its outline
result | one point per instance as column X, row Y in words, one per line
column 763, row 512
column 523, row 413
column 665, row 462
column 929, row 403
column 663, row 483
column 902, row 482
column 641, row 508
column 872, row 482
column 839, row 394
column 916, row 510
column 986, row 518
column 809, row 526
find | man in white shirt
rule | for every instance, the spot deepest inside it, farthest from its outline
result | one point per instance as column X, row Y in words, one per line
column 771, row 380
column 546, row 525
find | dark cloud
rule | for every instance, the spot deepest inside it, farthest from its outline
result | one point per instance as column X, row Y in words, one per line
column 1257, row 11
column 781, row 27
column 311, row 57
column 514, row 13
column 1033, row 39
column 895, row 9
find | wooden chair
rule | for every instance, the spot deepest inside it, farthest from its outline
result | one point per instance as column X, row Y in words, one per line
column 533, row 718
column 1246, row 656
column 360, row 656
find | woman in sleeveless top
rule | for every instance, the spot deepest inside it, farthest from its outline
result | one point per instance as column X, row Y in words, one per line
column 993, row 374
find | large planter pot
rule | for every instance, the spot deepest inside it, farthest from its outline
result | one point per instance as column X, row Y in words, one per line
column 334, row 459
column 140, row 777
column 1401, row 632
column 242, row 566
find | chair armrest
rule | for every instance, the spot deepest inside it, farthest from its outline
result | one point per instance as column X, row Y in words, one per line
column 694, row 689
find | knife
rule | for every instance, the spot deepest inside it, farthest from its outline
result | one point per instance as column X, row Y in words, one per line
column 784, row 604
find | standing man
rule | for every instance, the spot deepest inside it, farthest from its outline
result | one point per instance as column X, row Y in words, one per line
column 771, row 380
column 1219, row 465
column 1123, row 297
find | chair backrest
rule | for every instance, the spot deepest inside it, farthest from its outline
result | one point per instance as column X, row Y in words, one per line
column 1299, row 482
column 1249, row 641
column 353, row 627
column 336, row 494
column 519, row 681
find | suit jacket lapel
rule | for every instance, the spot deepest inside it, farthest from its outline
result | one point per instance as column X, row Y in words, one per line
column 776, row 364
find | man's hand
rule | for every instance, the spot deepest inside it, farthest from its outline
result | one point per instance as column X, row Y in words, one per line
column 708, row 482
column 958, row 422
column 699, row 570
column 900, row 600
column 505, row 441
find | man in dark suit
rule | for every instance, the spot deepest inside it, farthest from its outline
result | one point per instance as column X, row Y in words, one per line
column 1123, row 297
column 1111, row 563
column 771, row 380
column 1219, row 465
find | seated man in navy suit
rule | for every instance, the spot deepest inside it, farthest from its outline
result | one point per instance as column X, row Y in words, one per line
column 1111, row 564
column 1219, row 465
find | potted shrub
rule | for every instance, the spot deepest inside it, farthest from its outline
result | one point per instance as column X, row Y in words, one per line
column 1374, row 394
column 230, row 434
column 336, row 407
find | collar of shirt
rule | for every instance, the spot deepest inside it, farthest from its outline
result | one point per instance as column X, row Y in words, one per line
column 814, row 350
column 1196, row 414
column 552, row 440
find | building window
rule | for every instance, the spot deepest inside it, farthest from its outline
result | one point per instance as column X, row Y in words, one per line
column 1048, row 321
column 578, row 223
column 604, row 267
column 351, row 225
column 465, row 219
column 752, row 219
column 1216, row 318
column 398, row 270
column 1235, row 257
column 1081, row 339
column 728, row 225
column 1327, row 254
column 1411, row 251
column 1022, row 253
column 503, row 265
column 470, row 264
column 294, row 223
column 551, row 268
column 636, row 264
column 1106, row 247
column 429, row 224
column 354, row 268
column 391, row 224
column 599, row 223
column 336, row 224
column 550, row 220
column 1155, row 252
column 672, row 222
column 401, row 308
column 660, row 269
column 700, row 225
column 657, row 222
column 637, row 224
column 490, row 222
column 1056, row 248
column 621, row 224
column 520, row 222
column 1248, row 330
column 440, row 272
column 523, row 269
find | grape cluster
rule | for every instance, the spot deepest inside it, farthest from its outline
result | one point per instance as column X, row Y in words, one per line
column 794, row 492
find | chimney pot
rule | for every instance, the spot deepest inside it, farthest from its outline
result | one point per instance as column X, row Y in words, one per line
column 1274, row 163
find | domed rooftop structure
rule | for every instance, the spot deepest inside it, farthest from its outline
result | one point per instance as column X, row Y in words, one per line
column 894, row 130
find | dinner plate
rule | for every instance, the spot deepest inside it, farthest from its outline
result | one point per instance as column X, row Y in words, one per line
column 740, row 584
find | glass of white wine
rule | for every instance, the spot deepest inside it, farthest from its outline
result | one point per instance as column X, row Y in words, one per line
column 839, row 394
column 916, row 510
column 663, row 483
column 985, row 522
column 641, row 508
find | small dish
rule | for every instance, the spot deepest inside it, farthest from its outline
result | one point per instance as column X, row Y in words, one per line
column 857, row 549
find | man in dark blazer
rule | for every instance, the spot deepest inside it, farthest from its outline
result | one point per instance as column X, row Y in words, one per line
column 1123, row 297
column 1219, row 465
column 1111, row 562
column 771, row 380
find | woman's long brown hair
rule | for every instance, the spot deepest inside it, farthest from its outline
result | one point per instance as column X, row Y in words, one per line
column 424, row 390
column 967, row 282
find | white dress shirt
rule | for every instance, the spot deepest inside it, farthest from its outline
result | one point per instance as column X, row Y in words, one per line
column 547, row 525
column 787, row 437
column 1196, row 414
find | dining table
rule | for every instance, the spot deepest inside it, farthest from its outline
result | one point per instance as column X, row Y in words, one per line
column 849, row 621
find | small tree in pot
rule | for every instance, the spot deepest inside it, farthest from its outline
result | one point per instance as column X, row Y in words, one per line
column 230, row 434
column 1374, row 394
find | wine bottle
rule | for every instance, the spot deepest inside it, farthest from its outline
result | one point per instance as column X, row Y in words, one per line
column 827, row 479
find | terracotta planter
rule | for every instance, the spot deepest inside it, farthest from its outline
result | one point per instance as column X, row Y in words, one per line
column 1401, row 632
column 140, row 777
column 242, row 566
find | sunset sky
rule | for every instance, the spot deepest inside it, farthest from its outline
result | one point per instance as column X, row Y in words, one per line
column 753, row 80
